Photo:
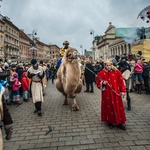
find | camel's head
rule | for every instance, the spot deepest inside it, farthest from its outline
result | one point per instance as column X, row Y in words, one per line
column 71, row 54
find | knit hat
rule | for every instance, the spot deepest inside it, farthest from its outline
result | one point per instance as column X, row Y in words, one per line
column 33, row 61
column 15, row 75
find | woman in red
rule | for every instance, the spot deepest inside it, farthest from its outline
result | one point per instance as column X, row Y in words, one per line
column 112, row 84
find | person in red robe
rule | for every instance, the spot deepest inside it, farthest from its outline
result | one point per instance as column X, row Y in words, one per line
column 113, row 88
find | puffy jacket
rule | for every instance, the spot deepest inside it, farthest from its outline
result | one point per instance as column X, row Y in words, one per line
column 138, row 67
column 15, row 84
column 25, row 82
column 146, row 71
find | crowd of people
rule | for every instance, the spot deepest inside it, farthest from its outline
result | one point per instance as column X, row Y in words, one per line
column 19, row 82
column 115, row 78
column 137, row 80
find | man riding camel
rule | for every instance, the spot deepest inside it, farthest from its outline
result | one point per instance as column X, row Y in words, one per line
column 62, row 52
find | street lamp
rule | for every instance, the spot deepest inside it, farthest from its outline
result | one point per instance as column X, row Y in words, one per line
column 81, row 46
column 33, row 44
column 92, row 33
column 93, row 46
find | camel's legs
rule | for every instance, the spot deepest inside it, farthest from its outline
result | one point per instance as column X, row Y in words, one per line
column 66, row 102
column 75, row 106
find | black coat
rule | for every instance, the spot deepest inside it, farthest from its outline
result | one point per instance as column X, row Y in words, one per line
column 146, row 71
column 89, row 74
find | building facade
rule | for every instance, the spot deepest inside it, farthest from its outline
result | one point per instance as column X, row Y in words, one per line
column 104, row 42
column 11, row 40
column 24, row 47
column 54, row 53
column 2, row 38
column 110, row 44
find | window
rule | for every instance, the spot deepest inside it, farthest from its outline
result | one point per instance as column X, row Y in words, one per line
column 1, row 38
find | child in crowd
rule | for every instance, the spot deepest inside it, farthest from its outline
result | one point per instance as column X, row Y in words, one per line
column 25, row 87
column 15, row 89
column 138, row 69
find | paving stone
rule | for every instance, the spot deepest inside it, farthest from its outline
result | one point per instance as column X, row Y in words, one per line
column 142, row 142
column 137, row 148
column 77, row 130
column 121, row 148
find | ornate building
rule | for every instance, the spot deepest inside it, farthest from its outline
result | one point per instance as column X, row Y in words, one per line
column 119, row 47
column 11, row 40
column 15, row 45
column 54, row 53
column 24, row 47
column 2, row 38
column 104, row 42
column 118, row 41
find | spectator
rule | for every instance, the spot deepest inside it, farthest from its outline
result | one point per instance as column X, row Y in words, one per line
column 146, row 76
column 25, row 87
column 126, row 75
column 138, row 69
column 89, row 77
column 15, row 89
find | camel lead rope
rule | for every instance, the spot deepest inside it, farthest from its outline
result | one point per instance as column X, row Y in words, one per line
column 103, row 80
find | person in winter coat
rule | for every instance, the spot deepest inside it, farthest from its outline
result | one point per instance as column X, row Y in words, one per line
column 126, row 75
column 146, row 76
column 20, row 69
column 138, row 70
column 53, row 73
column 15, row 89
column 89, row 77
column 25, row 86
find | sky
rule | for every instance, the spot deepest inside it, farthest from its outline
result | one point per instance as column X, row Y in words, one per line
column 72, row 20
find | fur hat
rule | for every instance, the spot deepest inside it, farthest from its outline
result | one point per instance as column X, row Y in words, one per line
column 33, row 61
column 20, row 64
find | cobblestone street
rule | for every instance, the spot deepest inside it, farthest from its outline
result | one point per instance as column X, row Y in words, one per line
column 76, row 130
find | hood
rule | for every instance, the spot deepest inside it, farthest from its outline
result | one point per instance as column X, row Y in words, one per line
column 24, row 74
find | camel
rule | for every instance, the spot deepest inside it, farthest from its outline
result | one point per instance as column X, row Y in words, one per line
column 68, row 80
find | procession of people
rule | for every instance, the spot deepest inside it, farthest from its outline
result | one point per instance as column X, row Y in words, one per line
column 20, row 82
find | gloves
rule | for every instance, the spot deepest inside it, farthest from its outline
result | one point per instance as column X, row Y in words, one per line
column 32, row 75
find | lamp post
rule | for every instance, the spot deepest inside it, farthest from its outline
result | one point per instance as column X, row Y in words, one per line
column 81, row 46
column 92, row 33
column 33, row 44
column 93, row 46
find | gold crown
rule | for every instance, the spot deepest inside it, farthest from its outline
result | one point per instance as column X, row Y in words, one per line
column 63, row 51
